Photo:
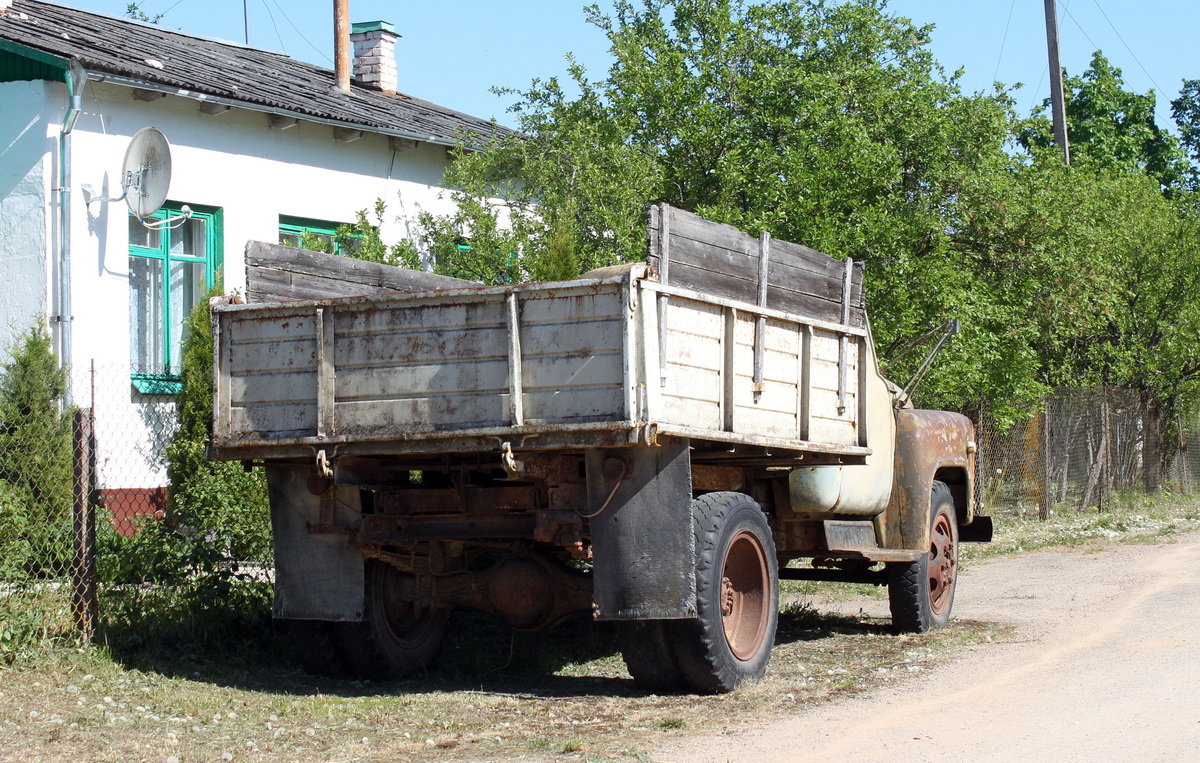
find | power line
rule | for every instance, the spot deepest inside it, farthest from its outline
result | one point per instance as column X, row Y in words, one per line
column 271, row 16
column 1122, row 39
column 1007, row 24
column 302, row 37
column 1067, row 10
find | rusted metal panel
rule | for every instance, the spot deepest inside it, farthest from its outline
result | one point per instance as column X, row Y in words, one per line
column 858, row 537
column 929, row 444
column 640, row 502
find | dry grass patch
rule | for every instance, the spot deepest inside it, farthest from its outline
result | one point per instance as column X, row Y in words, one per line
column 562, row 695
column 491, row 697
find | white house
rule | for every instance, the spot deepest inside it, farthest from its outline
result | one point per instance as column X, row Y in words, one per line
column 263, row 147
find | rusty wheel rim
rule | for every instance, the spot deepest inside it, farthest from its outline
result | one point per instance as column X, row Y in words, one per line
column 408, row 625
column 744, row 587
column 943, row 561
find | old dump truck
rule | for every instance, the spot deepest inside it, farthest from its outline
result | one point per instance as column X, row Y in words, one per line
column 657, row 444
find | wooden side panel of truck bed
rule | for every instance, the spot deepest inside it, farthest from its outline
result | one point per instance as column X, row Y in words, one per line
column 420, row 371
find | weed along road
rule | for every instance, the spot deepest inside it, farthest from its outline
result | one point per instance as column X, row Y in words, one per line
column 1103, row 663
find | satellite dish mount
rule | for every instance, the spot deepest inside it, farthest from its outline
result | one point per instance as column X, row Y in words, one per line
column 145, row 178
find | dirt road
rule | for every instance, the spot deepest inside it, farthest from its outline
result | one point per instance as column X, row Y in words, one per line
column 1104, row 664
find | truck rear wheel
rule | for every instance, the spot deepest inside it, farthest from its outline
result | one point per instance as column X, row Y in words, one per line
column 649, row 656
column 396, row 636
column 737, row 595
column 315, row 647
column 921, row 593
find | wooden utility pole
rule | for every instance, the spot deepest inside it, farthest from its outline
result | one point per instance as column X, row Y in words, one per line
column 1057, row 104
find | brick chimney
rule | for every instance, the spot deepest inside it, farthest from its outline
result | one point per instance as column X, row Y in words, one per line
column 375, row 55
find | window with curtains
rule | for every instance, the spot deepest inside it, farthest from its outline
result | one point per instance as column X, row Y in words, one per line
column 170, row 272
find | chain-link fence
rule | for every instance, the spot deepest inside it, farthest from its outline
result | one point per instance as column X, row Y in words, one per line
column 86, row 533
column 87, row 536
column 1087, row 449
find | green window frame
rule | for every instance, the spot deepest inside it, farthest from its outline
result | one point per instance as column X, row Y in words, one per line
column 171, row 270
column 292, row 231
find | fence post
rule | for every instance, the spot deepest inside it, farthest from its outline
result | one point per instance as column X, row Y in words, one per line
column 84, row 599
column 1045, row 477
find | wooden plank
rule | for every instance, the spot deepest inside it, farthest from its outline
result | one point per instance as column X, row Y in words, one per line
column 685, row 225
column 729, row 287
column 720, row 259
column 276, row 273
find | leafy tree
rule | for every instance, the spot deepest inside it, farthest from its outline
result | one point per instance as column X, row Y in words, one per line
column 1186, row 111
column 1110, row 127
column 828, row 125
column 1148, row 340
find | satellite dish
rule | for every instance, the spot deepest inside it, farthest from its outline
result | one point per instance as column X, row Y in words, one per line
column 145, row 177
column 146, row 174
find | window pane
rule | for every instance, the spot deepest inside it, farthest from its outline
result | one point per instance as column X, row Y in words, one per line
column 146, row 320
column 187, row 291
column 287, row 238
column 190, row 239
column 140, row 235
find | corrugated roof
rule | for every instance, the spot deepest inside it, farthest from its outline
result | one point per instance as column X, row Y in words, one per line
column 257, row 78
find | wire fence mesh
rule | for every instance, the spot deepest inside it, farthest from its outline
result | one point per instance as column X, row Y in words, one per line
column 87, row 536
column 1087, row 449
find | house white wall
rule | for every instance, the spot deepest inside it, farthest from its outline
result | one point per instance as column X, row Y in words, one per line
column 26, row 175
column 233, row 161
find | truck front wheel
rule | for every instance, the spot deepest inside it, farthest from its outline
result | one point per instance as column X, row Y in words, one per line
column 921, row 593
column 737, row 595
column 397, row 636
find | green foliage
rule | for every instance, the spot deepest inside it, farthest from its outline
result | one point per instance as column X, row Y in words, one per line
column 135, row 12
column 827, row 125
column 226, row 502
column 833, row 126
column 1186, row 111
column 361, row 241
column 472, row 243
column 1109, row 127
column 35, row 459
column 182, row 578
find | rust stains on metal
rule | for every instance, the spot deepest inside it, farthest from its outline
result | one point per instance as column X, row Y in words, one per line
column 929, row 445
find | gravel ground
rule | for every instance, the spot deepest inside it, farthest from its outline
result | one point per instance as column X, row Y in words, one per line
column 1103, row 665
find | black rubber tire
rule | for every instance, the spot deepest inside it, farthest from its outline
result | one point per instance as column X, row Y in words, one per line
column 921, row 593
column 315, row 647
column 649, row 655
column 395, row 637
column 737, row 589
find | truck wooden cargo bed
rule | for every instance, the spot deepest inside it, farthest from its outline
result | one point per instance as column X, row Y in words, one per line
column 614, row 358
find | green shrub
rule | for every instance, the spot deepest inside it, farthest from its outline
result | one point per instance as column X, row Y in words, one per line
column 35, row 456
column 181, row 579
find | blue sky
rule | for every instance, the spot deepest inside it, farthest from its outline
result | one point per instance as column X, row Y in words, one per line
column 454, row 51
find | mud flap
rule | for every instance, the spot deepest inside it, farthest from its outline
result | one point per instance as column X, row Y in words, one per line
column 317, row 577
column 642, row 539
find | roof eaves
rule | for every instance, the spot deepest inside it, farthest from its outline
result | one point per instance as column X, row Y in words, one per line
column 41, row 56
column 142, row 84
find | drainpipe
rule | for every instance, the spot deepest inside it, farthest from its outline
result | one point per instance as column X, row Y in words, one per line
column 341, row 44
column 75, row 80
